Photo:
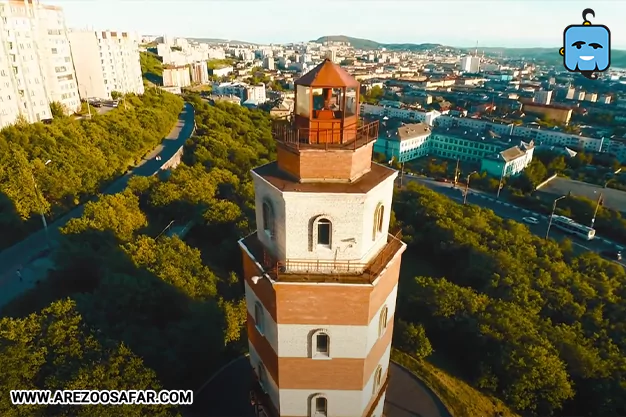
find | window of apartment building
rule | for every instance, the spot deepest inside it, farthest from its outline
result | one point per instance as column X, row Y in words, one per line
column 54, row 50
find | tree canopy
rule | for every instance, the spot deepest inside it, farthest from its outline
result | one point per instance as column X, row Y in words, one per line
column 85, row 155
column 521, row 317
column 146, row 308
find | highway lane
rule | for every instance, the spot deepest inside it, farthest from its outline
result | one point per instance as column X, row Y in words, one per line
column 35, row 245
column 509, row 211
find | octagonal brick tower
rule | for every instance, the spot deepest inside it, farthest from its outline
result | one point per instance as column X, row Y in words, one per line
column 321, row 271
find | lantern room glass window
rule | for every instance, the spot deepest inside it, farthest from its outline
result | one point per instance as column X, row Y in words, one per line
column 303, row 101
column 352, row 101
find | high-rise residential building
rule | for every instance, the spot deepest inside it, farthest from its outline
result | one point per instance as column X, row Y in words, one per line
column 470, row 64
column 321, row 271
column 543, row 97
column 176, row 76
column 56, row 58
column 268, row 63
column 27, row 78
column 106, row 61
column 199, row 72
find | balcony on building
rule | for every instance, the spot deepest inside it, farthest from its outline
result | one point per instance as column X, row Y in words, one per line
column 322, row 271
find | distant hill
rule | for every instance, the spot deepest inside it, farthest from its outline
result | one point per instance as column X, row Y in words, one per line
column 359, row 43
column 548, row 56
column 217, row 40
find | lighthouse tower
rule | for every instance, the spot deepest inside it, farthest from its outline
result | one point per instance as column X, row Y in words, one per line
column 321, row 271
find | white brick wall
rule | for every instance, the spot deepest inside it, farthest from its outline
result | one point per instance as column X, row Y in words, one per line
column 270, row 330
column 352, row 217
column 294, row 340
column 270, row 386
column 341, row 403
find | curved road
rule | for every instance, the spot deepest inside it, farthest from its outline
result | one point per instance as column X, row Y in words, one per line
column 509, row 211
column 35, row 246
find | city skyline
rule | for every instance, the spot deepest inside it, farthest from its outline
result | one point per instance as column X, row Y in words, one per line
column 513, row 24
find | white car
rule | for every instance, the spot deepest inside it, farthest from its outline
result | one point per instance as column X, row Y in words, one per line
column 530, row 220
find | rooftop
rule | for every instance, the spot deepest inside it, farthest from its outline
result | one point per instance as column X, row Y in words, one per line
column 284, row 182
column 401, row 131
column 327, row 74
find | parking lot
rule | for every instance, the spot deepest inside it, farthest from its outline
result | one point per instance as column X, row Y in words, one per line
column 613, row 199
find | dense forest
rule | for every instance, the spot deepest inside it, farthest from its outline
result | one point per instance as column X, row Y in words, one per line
column 130, row 307
column 520, row 317
column 85, row 155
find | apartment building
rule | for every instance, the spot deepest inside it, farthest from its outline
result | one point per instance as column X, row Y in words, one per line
column 407, row 114
column 541, row 137
column 34, row 70
column 106, row 61
column 176, row 76
column 56, row 58
column 199, row 73
column 497, row 155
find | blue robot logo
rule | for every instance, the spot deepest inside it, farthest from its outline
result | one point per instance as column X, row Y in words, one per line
column 586, row 48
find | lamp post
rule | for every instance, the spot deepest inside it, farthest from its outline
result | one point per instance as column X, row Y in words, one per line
column 40, row 203
column 595, row 212
column 552, row 214
column 467, row 186
column 501, row 180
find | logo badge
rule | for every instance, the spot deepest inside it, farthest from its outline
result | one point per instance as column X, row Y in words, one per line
column 586, row 48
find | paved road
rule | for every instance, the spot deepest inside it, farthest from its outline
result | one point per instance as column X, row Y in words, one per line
column 33, row 248
column 509, row 211
column 227, row 394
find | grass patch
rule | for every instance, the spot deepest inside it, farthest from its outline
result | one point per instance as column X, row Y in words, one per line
column 460, row 399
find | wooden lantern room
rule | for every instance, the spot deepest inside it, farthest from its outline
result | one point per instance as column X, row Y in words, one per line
column 325, row 118
column 327, row 104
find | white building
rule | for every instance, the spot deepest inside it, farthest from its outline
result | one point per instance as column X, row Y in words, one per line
column 199, row 73
column 176, row 77
column 222, row 72
column 230, row 89
column 256, row 94
column 22, row 82
column 541, row 137
column 470, row 64
column 409, row 115
column 268, row 63
column 543, row 97
column 56, row 58
column 106, row 62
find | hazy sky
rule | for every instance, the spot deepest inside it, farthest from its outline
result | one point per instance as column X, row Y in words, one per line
column 509, row 23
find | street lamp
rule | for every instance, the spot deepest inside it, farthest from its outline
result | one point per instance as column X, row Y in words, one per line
column 467, row 186
column 40, row 203
column 595, row 212
column 552, row 214
column 501, row 180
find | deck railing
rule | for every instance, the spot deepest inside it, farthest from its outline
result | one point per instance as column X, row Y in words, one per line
column 315, row 270
column 348, row 138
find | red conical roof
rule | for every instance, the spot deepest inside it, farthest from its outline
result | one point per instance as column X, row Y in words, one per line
column 327, row 74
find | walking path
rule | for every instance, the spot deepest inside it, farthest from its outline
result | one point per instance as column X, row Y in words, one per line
column 30, row 256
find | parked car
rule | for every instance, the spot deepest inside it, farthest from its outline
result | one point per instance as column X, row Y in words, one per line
column 615, row 255
column 97, row 104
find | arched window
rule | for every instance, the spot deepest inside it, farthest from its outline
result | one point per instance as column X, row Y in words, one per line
column 378, row 379
column 259, row 317
column 324, row 232
column 319, row 406
column 382, row 321
column 321, row 345
column 269, row 222
column 379, row 215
